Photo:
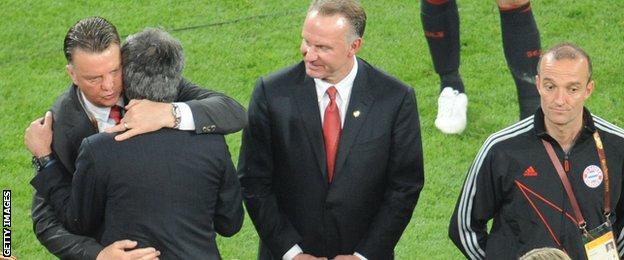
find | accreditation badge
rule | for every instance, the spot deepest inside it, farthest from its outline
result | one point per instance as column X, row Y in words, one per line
column 600, row 243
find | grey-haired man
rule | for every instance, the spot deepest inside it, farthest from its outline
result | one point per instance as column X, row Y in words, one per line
column 91, row 105
column 168, row 189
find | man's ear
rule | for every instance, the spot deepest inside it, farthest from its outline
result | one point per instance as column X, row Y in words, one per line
column 71, row 71
column 537, row 83
column 590, row 88
column 355, row 46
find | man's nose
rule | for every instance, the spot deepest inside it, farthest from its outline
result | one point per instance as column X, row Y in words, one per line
column 560, row 95
column 108, row 82
column 310, row 54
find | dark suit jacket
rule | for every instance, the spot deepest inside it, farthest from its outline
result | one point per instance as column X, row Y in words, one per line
column 378, row 173
column 212, row 112
column 165, row 189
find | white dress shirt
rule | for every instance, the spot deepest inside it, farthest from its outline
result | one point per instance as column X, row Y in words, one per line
column 342, row 100
column 342, row 96
column 101, row 114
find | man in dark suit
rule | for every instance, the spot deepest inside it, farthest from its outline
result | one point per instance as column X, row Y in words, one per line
column 331, row 160
column 168, row 189
column 92, row 49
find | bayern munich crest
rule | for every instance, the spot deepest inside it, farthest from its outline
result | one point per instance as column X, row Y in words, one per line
column 592, row 176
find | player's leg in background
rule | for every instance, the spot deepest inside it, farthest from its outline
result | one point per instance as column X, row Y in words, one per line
column 521, row 44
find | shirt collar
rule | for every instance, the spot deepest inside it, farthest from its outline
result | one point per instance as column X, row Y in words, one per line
column 343, row 87
column 540, row 127
column 100, row 113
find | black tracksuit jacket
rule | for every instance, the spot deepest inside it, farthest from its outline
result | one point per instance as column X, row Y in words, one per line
column 513, row 182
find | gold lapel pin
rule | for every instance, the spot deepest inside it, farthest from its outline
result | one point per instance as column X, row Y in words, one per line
column 356, row 113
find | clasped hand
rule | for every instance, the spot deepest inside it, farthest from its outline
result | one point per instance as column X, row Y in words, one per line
column 143, row 116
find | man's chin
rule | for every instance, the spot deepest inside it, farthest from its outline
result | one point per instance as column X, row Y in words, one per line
column 108, row 102
column 559, row 119
column 315, row 73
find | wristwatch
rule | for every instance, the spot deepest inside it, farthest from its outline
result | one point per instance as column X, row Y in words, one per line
column 177, row 116
column 39, row 162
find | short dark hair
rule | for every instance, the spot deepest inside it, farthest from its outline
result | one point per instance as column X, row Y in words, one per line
column 567, row 51
column 93, row 34
column 152, row 65
column 350, row 9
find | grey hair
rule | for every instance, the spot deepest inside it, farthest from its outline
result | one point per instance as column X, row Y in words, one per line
column 350, row 9
column 545, row 253
column 152, row 65
column 569, row 51
column 92, row 34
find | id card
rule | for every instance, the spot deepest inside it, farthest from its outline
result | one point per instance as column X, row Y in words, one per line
column 600, row 243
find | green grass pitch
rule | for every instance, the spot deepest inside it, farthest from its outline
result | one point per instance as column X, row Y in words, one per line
column 228, row 44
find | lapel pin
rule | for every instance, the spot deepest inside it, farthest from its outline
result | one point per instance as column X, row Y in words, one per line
column 356, row 113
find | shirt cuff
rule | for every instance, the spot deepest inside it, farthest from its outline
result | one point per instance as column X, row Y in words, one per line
column 294, row 251
column 360, row 256
column 186, row 117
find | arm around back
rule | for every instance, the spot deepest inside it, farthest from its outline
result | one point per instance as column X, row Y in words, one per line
column 213, row 112
column 77, row 202
column 56, row 238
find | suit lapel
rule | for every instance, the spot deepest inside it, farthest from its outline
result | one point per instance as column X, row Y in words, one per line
column 357, row 112
column 71, row 129
column 307, row 103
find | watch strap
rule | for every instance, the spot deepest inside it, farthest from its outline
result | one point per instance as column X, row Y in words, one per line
column 41, row 162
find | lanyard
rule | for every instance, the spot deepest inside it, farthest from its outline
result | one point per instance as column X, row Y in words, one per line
column 568, row 188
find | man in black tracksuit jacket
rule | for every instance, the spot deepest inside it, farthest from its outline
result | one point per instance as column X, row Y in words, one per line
column 513, row 181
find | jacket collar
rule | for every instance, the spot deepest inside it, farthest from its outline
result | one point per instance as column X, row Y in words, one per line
column 540, row 128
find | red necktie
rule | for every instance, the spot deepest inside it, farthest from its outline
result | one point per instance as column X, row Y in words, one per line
column 331, row 131
column 115, row 113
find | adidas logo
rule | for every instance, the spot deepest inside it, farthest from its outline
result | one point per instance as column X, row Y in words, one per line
column 530, row 172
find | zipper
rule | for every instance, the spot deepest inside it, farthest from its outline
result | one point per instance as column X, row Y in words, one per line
column 566, row 164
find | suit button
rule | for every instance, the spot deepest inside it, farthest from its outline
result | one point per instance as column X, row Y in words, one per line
column 209, row 129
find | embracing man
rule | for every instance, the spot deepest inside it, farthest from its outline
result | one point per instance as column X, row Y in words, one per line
column 168, row 189
column 94, row 103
